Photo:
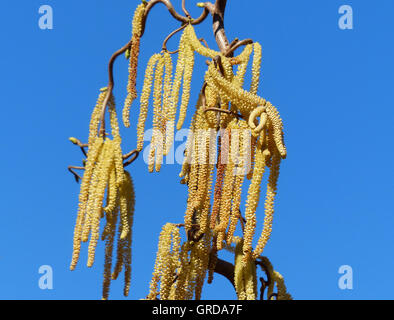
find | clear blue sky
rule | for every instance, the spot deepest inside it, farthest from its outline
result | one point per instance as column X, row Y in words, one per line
column 334, row 89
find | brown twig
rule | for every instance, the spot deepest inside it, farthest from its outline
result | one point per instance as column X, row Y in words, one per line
column 111, row 85
column 262, row 288
column 135, row 153
column 235, row 46
column 187, row 14
column 239, row 116
column 164, row 46
column 217, row 11
column 203, row 41
column 76, row 175
column 173, row 12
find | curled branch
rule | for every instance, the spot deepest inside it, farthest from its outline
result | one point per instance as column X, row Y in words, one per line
column 236, row 44
column 164, row 46
column 149, row 7
column 173, row 12
column 111, row 84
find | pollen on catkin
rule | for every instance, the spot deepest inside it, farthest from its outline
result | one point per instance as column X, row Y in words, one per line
column 168, row 253
column 269, row 206
column 245, row 279
column 252, row 202
column 187, row 77
column 157, row 141
column 133, row 61
column 144, row 100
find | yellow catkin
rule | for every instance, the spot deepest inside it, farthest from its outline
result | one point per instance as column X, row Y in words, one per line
column 168, row 270
column 193, row 187
column 201, row 168
column 191, row 204
column 243, row 57
column 127, row 193
column 129, row 189
column 92, row 205
column 202, row 249
column 121, row 247
column 252, row 201
column 176, row 87
column 269, row 205
column 93, row 154
column 99, row 196
column 192, row 272
column 124, row 215
column 256, row 67
column 112, row 191
column 246, row 102
column 253, row 143
column 280, row 284
column 110, row 222
column 196, row 44
column 276, row 279
column 188, row 153
column 132, row 81
column 187, row 77
column 203, row 135
column 181, row 287
column 250, row 280
column 203, row 218
column 228, row 185
column 144, row 100
column 117, row 140
column 245, row 278
column 109, row 245
column 239, row 179
column 241, row 71
column 238, row 270
column 133, row 61
column 95, row 118
column 164, row 266
column 212, row 100
column 227, row 68
column 217, row 195
column 156, row 146
column 166, row 110
column 137, row 19
column 123, row 254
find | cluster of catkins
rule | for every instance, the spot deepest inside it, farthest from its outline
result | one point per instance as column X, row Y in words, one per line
column 105, row 177
column 179, row 271
column 233, row 130
column 250, row 141
column 106, row 191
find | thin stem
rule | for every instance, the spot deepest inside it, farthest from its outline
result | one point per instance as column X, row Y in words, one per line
column 173, row 12
column 238, row 44
column 111, row 84
column 149, row 7
column 187, row 14
column 164, row 46
column 76, row 175
column 134, row 155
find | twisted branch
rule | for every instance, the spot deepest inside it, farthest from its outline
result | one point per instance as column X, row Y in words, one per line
column 217, row 11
